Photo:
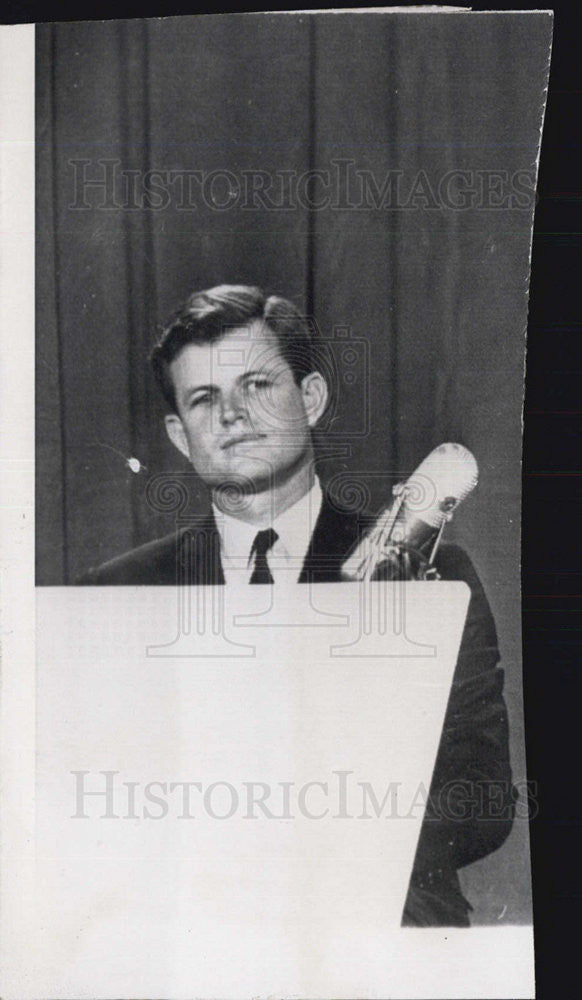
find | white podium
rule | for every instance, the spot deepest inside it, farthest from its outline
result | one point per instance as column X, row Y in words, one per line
column 217, row 825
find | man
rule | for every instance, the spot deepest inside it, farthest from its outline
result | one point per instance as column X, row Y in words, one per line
column 240, row 375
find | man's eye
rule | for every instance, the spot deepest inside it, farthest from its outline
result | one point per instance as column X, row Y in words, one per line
column 205, row 399
column 258, row 383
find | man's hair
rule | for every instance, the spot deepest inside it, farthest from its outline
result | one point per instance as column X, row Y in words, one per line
column 209, row 315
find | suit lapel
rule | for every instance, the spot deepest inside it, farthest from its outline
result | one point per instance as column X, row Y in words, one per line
column 334, row 535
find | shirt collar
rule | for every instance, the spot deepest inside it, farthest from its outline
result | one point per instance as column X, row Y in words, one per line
column 294, row 528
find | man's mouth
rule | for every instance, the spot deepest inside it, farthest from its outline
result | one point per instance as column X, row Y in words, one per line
column 241, row 439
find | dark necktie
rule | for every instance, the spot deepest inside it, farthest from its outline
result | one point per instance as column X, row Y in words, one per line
column 264, row 540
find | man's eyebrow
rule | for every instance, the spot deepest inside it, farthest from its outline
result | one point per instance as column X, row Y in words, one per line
column 256, row 371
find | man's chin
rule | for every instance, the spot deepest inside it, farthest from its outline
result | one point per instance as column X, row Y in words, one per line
column 246, row 478
column 250, row 474
column 259, row 473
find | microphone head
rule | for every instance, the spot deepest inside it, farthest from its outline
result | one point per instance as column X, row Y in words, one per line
column 440, row 483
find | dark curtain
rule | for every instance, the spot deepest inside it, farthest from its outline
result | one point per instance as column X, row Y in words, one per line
column 420, row 297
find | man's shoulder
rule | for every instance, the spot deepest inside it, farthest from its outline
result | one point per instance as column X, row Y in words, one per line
column 479, row 648
column 453, row 563
column 153, row 563
column 165, row 561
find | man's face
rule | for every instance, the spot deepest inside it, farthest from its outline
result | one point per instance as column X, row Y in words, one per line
column 241, row 415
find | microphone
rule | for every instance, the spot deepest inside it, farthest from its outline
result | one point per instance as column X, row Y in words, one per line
column 421, row 508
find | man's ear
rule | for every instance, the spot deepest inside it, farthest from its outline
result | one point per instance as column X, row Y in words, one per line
column 315, row 396
column 176, row 433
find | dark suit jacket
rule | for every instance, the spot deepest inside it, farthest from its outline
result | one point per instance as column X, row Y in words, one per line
column 471, row 800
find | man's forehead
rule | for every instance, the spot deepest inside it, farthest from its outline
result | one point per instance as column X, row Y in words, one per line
column 240, row 349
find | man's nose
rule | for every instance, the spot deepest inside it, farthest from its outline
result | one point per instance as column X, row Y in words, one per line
column 231, row 407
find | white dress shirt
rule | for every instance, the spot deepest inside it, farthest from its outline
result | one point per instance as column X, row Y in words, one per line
column 286, row 557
